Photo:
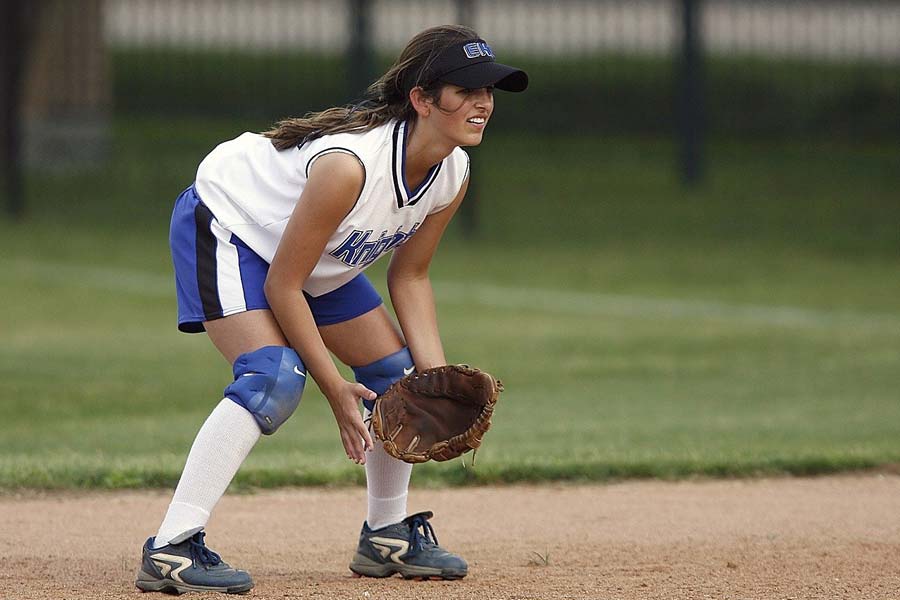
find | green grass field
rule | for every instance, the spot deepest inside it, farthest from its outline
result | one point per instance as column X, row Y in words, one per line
column 642, row 330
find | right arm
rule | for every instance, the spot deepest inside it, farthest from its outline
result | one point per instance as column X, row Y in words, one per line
column 334, row 184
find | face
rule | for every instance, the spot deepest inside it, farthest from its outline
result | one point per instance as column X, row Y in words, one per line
column 462, row 114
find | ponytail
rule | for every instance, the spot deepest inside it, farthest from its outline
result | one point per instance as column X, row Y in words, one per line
column 386, row 99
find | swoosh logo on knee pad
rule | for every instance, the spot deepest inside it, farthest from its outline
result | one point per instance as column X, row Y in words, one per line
column 298, row 371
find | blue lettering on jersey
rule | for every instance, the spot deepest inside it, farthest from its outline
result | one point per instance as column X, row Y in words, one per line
column 348, row 252
column 358, row 251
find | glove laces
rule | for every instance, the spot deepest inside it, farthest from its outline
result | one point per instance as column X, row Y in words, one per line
column 202, row 554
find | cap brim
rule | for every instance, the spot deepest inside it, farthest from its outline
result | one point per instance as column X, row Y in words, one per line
column 479, row 75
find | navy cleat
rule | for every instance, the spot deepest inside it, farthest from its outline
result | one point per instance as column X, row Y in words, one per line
column 188, row 566
column 403, row 548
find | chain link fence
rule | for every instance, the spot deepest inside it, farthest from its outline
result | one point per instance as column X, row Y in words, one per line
column 772, row 68
column 797, row 68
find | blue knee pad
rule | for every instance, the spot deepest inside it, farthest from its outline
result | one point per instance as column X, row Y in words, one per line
column 379, row 375
column 268, row 383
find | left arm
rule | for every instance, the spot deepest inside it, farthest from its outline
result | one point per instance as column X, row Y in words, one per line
column 410, row 288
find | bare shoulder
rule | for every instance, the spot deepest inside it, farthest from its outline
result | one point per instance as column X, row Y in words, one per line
column 338, row 167
column 335, row 180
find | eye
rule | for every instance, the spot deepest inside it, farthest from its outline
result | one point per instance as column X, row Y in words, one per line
column 468, row 91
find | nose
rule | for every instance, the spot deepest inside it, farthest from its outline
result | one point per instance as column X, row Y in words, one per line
column 484, row 98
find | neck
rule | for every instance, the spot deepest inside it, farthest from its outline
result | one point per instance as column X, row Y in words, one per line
column 424, row 149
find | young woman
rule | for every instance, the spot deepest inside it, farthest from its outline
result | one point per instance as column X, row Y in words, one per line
column 308, row 206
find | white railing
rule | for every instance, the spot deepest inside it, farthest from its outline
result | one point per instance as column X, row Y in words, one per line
column 867, row 30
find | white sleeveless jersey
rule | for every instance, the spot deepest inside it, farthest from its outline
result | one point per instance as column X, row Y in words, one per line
column 252, row 189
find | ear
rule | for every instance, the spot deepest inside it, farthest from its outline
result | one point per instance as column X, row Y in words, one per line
column 420, row 102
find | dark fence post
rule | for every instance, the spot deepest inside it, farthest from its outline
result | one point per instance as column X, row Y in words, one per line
column 12, row 59
column 690, row 109
column 361, row 65
column 468, row 212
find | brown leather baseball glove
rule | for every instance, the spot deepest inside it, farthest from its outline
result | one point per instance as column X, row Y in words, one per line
column 436, row 414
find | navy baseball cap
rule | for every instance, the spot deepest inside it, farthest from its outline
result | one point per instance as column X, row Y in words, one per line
column 471, row 64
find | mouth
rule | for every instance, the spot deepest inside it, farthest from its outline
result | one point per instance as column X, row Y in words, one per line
column 478, row 121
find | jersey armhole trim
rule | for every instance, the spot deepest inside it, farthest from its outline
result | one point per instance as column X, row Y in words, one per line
column 342, row 150
column 332, row 150
column 461, row 182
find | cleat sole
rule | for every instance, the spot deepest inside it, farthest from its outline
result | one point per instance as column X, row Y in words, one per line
column 148, row 583
column 448, row 577
column 362, row 566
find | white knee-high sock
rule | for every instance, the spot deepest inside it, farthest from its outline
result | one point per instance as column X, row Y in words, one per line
column 221, row 445
column 387, row 484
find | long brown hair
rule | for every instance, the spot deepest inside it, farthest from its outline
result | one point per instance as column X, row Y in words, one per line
column 386, row 99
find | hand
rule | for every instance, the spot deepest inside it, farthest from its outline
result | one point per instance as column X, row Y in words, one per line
column 354, row 433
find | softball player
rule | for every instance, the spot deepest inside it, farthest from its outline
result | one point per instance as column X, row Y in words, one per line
column 309, row 205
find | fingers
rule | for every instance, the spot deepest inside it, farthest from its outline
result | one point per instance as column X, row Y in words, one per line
column 364, row 392
column 357, row 442
column 367, row 394
column 356, row 439
column 366, row 438
column 354, row 446
column 354, row 433
column 361, row 437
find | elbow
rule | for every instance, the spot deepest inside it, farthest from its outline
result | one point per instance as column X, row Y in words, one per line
column 271, row 289
column 267, row 291
column 280, row 288
column 397, row 276
column 404, row 284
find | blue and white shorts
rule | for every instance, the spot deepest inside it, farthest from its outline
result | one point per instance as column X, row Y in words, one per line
column 217, row 274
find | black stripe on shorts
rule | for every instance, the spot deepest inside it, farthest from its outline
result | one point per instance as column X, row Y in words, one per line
column 206, row 263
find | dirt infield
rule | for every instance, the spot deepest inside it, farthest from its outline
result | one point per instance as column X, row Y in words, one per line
column 832, row 537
